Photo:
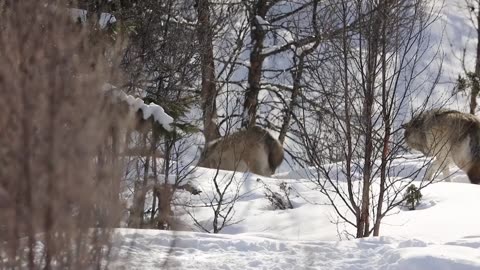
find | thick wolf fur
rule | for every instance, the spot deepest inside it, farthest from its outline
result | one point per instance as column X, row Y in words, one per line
column 254, row 150
column 449, row 136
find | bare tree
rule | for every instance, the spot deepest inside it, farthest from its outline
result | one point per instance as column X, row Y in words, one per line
column 256, row 13
column 245, row 35
column 471, row 80
column 136, row 216
column 375, row 63
column 209, row 89
column 161, row 66
column 226, row 193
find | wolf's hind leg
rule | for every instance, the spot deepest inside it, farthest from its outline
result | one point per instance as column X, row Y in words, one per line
column 259, row 167
column 474, row 174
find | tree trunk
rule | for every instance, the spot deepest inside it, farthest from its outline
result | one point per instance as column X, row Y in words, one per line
column 348, row 118
column 209, row 91
column 297, row 76
column 138, row 206
column 476, row 84
column 363, row 229
column 25, row 186
column 155, row 175
column 256, row 62
column 386, row 115
column 165, row 192
column 113, row 183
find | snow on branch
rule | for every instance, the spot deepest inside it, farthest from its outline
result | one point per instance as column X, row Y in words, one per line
column 148, row 110
column 81, row 15
column 264, row 25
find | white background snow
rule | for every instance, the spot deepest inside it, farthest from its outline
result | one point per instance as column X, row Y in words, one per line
column 444, row 233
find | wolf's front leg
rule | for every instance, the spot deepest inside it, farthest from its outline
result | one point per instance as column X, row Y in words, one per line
column 446, row 172
column 431, row 169
column 438, row 165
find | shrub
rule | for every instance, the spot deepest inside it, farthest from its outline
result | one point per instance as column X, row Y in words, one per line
column 280, row 201
column 412, row 197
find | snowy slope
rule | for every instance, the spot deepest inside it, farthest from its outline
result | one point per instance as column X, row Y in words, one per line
column 163, row 250
column 453, row 43
column 442, row 234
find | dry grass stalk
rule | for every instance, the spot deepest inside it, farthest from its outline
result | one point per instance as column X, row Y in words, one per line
column 59, row 177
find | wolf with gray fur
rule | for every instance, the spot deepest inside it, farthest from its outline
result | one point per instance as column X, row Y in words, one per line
column 254, row 150
column 449, row 136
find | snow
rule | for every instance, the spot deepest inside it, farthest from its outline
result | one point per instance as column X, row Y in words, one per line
column 148, row 110
column 306, row 47
column 152, row 249
column 270, row 49
column 441, row 234
column 81, row 14
column 151, row 109
column 265, row 25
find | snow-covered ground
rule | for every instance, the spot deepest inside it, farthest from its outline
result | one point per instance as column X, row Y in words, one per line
column 443, row 233
column 151, row 249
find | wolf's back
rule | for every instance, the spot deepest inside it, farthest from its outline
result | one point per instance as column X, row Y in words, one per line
column 254, row 148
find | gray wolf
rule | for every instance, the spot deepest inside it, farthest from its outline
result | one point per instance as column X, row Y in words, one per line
column 254, row 150
column 449, row 136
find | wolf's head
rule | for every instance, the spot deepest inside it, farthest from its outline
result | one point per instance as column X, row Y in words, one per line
column 415, row 133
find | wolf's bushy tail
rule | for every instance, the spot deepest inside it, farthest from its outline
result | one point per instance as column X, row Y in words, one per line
column 275, row 155
column 275, row 151
column 274, row 148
